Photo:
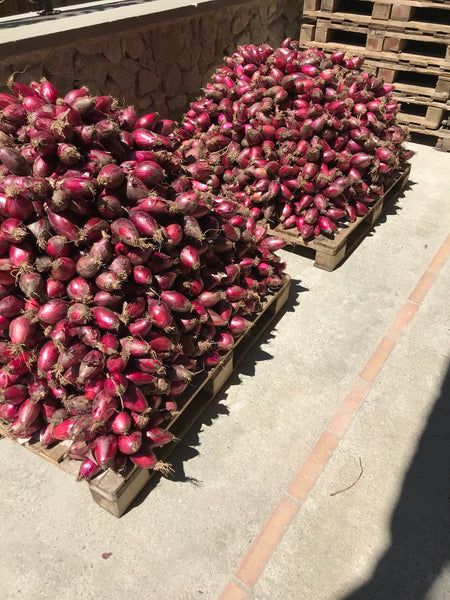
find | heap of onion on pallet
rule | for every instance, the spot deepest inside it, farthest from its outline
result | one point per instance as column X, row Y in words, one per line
column 303, row 139
column 123, row 273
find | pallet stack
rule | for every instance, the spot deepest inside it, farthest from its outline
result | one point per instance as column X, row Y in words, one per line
column 406, row 42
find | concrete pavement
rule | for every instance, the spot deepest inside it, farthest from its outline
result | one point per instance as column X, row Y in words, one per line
column 355, row 368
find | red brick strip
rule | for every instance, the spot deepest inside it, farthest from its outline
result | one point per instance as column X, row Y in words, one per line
column 440, row 257
column 423, row 287
column 377, row 360
column 341, row 419
column 268, row 539
column 402, row 320
column 266, row 542
column 233, row 592
column 310, row 470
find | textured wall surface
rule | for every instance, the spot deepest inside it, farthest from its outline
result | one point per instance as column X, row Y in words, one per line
column 162, row 66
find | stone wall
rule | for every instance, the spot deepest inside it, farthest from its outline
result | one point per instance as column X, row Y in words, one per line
column 161, row 66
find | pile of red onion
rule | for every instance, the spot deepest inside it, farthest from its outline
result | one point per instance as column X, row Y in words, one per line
column 298, row 137
column 124, row 271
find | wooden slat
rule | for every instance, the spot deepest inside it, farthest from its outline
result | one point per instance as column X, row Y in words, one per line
column 403, row 59
column 414, row 83
column 345, row 5
column 430, row 117
column 329, row 253
column 307, row 32
column 441, row 28
column 439, row 138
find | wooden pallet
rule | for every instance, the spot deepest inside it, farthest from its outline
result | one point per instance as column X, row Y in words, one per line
column 440, row 29
column 420, row 114
column 115, row 492
column 401, row 10
column 359, row 49
column 414, row 83
column 372, row 37
column 439, row 138
column 329, row 253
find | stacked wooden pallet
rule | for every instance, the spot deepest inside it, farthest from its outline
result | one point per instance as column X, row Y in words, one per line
column 407, row 43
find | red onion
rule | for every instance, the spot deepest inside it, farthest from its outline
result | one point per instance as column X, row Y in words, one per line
column 110, row 176
column 125, row 231
column 176, row 301
column 62, row 226
column 78, row 314
column 11, row 306
column 130, row 444
column 79, row 290
column 22, row 330
column 53, row 311
column 63, row 268
column 134, row 399
column 88, row 470
column 105, row 450
column 104, row 407
column 14, row 161
column 48, row 356
column 28, row 412
column 121, row 424
column 9, row 411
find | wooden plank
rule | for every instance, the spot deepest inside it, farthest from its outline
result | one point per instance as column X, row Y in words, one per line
column 404, row 93
column 381, row 11
column 115, row 492
column 311, row 5
column 424, row 33
column 55, row 454
column 429, row 117
column 14, row 7
column 410, row 67
column 439, row 138
column 438, row 29
column 343, row 5
column 402, row 58
column 418, row 84
column 401, row 12
column 307, row 32
column 329, row 253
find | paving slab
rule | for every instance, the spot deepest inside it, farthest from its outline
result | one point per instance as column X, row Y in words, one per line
column 185, row 536
column 386, row 537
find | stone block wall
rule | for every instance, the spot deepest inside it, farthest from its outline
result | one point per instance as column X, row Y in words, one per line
column 164, row 65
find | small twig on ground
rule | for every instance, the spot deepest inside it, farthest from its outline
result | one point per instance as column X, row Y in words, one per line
column 354, row 483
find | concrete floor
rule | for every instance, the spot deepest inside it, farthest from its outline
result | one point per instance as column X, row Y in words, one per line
column 386, row 537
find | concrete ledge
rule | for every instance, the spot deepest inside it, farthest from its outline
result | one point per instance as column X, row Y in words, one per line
column 154, row 55
column 28, row 32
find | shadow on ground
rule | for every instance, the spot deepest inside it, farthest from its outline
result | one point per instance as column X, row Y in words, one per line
column 187, row 448
column 420, row 525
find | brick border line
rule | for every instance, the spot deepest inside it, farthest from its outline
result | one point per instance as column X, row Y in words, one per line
column 266, row 542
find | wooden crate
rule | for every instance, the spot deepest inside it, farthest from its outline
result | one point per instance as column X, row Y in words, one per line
column 115, row 492
column 329, row 253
